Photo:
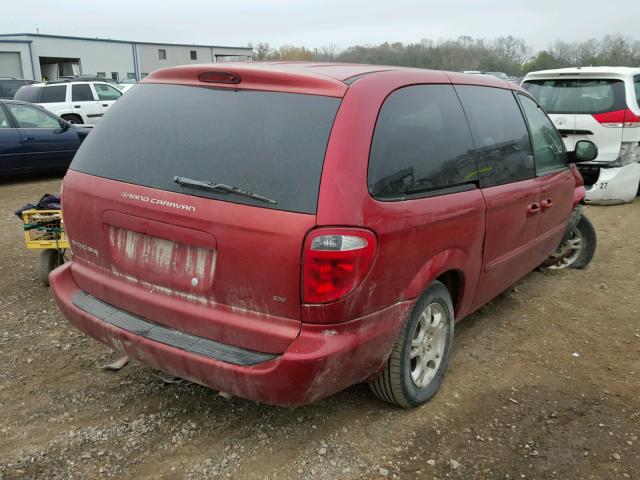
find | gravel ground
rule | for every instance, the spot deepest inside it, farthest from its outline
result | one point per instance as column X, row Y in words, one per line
column 543, row 384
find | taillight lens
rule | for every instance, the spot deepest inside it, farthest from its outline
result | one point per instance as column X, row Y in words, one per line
column 335, row 261
column 619, row 118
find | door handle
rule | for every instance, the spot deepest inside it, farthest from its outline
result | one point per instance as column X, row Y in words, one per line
column 77, row 106
column 29, row 139
column 546, row 204
column 533, row 209
column 105, row 104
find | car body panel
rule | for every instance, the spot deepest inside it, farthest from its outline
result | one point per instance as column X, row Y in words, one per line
column 584, row 127
column 11, row 150
column 313, row 367
column 614, row 185
column 398, row 225
column 49, row 148
column 143, row 248
column 512, row 246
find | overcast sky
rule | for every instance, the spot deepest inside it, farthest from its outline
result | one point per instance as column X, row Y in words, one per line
column 319, row 23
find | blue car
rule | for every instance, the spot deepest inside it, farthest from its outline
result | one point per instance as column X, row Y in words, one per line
column 33, row 140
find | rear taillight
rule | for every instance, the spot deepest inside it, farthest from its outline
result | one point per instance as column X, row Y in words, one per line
column 619, row 118
column 335, row 261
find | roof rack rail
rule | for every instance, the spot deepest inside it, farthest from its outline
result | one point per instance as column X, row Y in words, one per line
column 81, row 78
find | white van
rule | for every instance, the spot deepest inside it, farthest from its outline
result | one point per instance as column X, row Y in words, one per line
column 75, row 101
column 601, row 104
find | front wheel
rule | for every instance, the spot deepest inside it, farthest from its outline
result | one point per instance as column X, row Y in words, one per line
column 420, row 355
column 577, row 250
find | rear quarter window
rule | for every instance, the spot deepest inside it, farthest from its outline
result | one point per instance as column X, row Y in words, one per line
column 53, row 94
column 28, row 94
column 503, row 147
column 271, row 144
column 421, row 145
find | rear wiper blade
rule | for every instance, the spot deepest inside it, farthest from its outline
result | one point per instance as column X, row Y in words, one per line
column 220, row 187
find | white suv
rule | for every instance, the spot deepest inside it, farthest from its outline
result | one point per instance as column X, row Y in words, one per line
column 75, row 101
column 601, row 104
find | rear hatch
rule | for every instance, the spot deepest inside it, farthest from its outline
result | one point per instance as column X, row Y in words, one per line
column 583, row 109
column 188, row 206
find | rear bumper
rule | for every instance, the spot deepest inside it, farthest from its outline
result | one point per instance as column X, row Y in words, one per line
column 615, row 185
column 323, row 360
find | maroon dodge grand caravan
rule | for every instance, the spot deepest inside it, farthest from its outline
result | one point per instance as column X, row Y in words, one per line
column 280, row 232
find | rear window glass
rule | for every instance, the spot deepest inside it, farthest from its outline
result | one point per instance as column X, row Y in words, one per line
column 8, row 88
column 581, row 96
column 271, row 144
column 28, row 94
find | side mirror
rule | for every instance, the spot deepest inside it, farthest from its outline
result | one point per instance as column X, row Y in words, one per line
column 585, row 151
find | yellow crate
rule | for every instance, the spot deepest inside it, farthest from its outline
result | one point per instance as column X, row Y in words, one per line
column 47, row 229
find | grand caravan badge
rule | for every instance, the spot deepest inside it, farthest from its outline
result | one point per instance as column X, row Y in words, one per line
column 158, row 201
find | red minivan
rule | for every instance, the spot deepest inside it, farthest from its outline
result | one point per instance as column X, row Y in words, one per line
column 282, row 231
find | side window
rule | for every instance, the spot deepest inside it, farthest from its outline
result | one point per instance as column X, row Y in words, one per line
column 81, row 92
column 500, row 134
column 106, row 92
column 636, row 83
column 32, row 117
column 55, row 94
column 4, row 120
column 548, row 149
column 421, row 144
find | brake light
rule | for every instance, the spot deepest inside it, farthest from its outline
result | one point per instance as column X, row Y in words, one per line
column 219, row 77
column 335, row 261
column 618, row 118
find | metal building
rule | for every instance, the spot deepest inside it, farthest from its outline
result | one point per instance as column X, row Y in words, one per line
column 36, row 56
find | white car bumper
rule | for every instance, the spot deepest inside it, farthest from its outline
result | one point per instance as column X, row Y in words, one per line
column 615, row 185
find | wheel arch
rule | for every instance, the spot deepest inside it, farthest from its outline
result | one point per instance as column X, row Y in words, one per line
column 456, row 270
column 72, row 114
column 454, row 281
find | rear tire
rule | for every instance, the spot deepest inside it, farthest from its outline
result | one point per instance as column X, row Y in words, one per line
column 50, row 259
column 578, row 250
column 420, row 356
column 75, row 119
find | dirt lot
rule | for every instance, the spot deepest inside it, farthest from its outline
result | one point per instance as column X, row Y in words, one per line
column 543, row 383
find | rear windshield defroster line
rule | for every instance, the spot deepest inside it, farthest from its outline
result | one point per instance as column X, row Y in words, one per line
column 266, row 142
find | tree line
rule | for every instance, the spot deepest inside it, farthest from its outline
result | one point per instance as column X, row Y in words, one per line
column 508, row 54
